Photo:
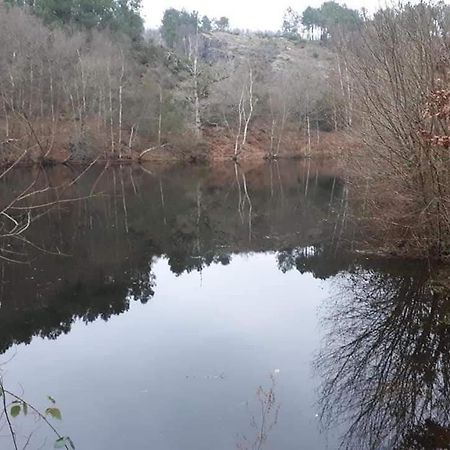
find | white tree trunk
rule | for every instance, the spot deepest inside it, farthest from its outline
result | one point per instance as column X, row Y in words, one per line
column 238, row 133
column 308, row 128
column 111, row 118
column 250, row 102
column 193, row 56
column 160, row 113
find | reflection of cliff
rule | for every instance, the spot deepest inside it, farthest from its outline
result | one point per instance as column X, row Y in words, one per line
column 194, row 216
column 386, row 362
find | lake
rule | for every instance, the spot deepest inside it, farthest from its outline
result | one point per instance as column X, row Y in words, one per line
column 215, row 308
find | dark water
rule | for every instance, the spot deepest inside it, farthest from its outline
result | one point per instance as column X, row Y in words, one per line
column 196, row 308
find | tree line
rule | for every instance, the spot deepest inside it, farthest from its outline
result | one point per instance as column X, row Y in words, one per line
column 321, row 23
column 118, row 15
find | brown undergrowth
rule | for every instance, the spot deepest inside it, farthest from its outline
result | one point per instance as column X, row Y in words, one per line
column 65, row 142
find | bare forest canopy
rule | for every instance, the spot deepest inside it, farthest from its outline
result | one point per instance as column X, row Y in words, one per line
column 82, row 81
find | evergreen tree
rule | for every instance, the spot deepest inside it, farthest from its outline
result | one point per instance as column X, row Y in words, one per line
column 291, row 21
column 330, row 17
column 120, row 15
column 206, row 25
column 222, row 24
column 177, row 26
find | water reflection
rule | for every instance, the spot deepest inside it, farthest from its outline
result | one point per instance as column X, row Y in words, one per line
column 386, row 359
column 385, row 362
column 263, row 420
column 193, row 216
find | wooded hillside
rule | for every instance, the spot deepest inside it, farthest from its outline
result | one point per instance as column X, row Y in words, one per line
column 83, row 81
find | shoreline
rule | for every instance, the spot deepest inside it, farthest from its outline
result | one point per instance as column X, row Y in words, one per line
column 214, row 146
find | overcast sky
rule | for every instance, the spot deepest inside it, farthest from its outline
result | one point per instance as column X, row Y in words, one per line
column 244, row 14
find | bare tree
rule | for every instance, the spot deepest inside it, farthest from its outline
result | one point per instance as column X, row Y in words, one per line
column 397, row 64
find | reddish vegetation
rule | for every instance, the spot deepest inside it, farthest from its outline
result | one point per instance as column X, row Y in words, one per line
column 438, row 108
column 216, row 144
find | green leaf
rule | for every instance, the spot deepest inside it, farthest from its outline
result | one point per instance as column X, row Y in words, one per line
column 54, row 412
column 51, row 399
column 60, row 443
column 64, row 441
column 15, row 410
column 25, row 408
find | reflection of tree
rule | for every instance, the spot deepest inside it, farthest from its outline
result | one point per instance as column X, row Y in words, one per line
column 142, row 285
column 185, row 254
column 429, row 436
column 265, row 419
column 319, row 260
column 82, row 301
column 185, row 214
column 386, row 363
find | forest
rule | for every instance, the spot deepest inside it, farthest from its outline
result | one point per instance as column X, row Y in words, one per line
column 85, row 81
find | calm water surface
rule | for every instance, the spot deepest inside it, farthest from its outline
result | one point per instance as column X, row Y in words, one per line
column 196, row 308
